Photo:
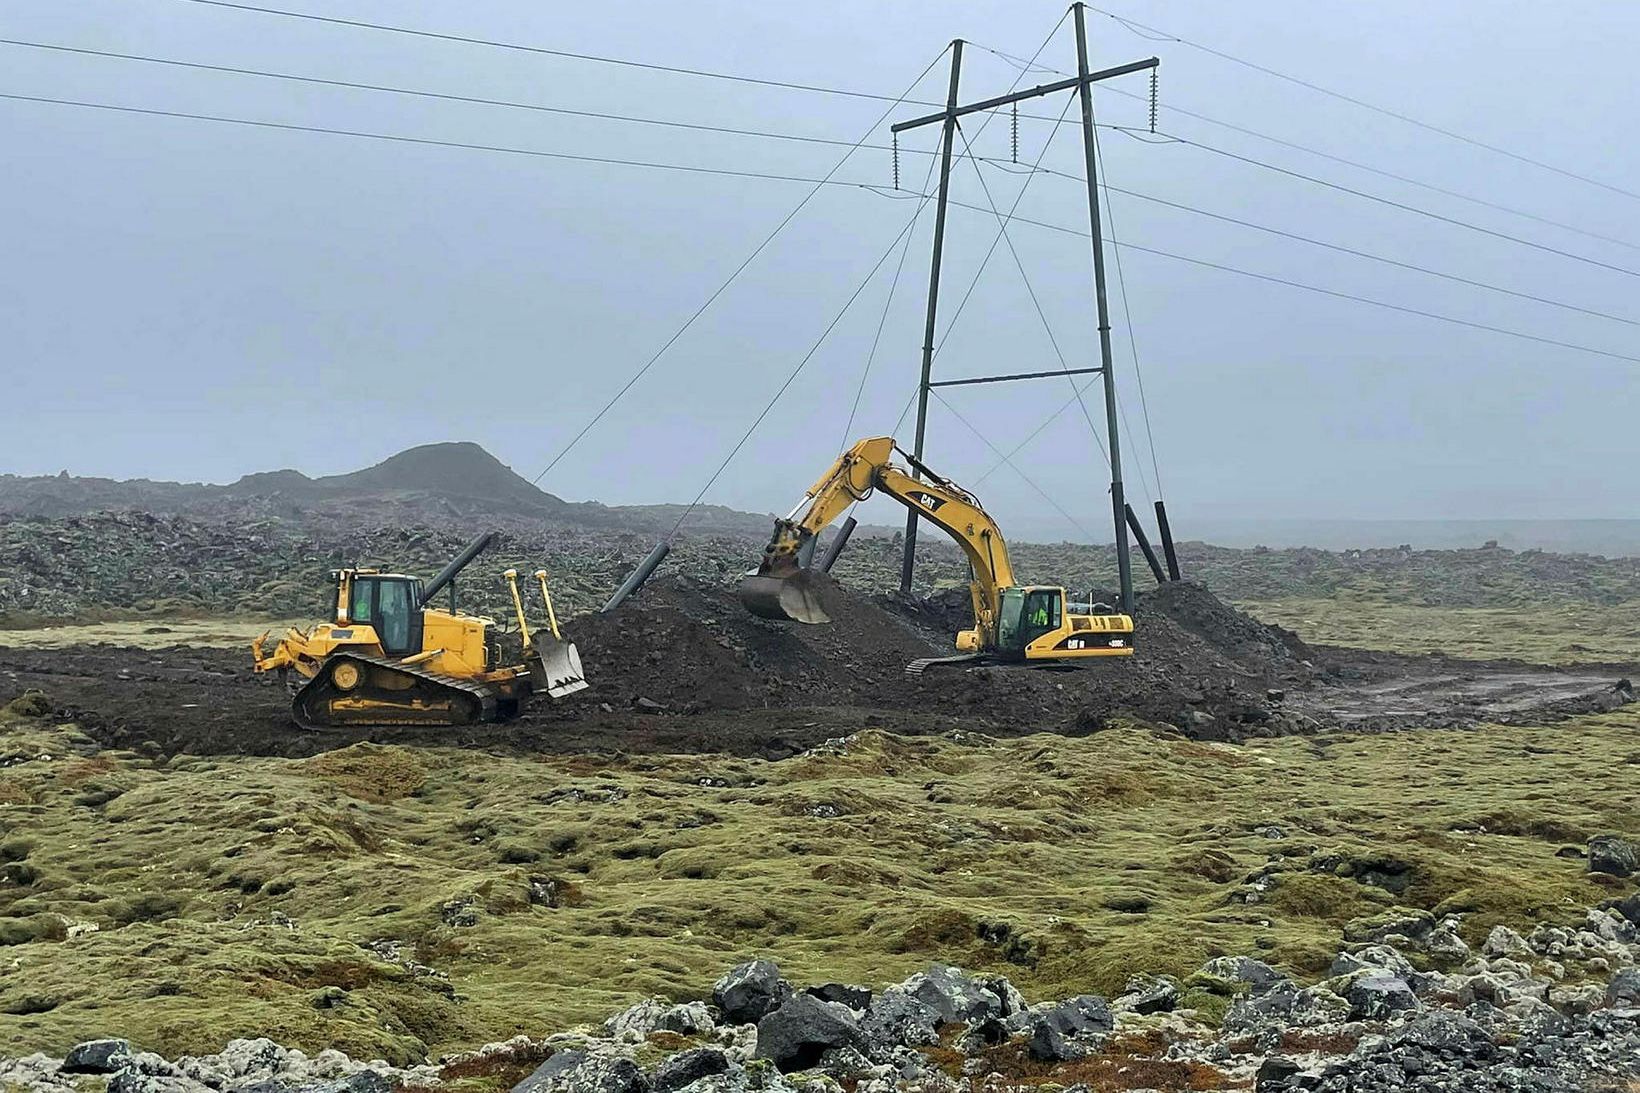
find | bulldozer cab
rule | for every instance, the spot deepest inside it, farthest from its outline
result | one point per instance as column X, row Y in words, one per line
column 1026, row 614
column 390, row 603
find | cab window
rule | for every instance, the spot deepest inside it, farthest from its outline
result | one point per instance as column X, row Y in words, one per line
column 1010, row 615
column 393, row 622
column 1042, row 612
column 361, row 610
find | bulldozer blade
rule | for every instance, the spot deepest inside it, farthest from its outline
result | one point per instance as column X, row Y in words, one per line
column 555, row 667
column 792, row 598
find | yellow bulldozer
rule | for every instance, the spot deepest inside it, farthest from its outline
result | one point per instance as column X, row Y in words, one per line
column 1031, row 625
column 387, row 658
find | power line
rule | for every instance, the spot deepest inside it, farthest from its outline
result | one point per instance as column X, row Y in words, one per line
column 545, row 52
column 1395, row 176
column 801, row 364
column 1392, row 203
column 1138, row 27
column 640, row 373
column 681, row 125
column 1307, row 149
column 813, row 88
column 1323, row 291
column 1338, row 247
column 1002, row 229
column 1013, row 466
column 431, row 142
column 817, row 183
column 511, row 104
column 882, row 320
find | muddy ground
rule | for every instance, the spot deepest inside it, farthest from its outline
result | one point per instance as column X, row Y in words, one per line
column 685, row 669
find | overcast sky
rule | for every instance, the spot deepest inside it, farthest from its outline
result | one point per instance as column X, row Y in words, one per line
column 192, row 300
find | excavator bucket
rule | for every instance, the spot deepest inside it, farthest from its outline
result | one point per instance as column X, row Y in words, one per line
column 555, row 666
column 792, row 597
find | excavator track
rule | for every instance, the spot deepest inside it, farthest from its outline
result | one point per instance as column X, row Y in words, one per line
column 353, row 690
column 960, row 660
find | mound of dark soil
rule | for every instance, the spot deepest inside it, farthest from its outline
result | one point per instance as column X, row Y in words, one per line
column 688, row 644
column 683, row 668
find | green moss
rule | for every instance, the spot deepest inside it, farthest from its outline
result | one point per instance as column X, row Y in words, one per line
column 423, row 924
column 39, row 927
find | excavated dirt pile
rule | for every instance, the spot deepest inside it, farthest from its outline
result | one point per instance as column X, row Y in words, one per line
column 683, row 668
column 689, row 645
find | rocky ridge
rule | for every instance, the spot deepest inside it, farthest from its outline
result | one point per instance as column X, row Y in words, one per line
column 1555, row 1010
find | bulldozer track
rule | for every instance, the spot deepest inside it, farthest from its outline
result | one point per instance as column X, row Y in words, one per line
column 486, row 697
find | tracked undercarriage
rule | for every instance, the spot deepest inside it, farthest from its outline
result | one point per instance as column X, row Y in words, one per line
column 390, row 660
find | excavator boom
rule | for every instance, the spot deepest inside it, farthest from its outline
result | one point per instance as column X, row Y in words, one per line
column 783, row 589
column 1010, row 622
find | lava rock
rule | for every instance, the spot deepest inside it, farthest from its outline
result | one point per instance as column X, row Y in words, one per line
column 573, row 1071
column 1503, row 941
column 1376, row 995
column 656, row 1015
column 1258, row 975
column 1273, row 1074
column 97, row 1057
column 896, row 1018
column 794, row 1036
column 1628, row 907
column 1146, row 994
column 687, row 1067
column 855, row 998
column 953, row 995
column 135, row 1081
column 750, row 992
column 365, row 1081
column 1613, row 855
column 1055, row 1031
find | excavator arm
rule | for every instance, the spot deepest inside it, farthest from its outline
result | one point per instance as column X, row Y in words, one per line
column 781, row 589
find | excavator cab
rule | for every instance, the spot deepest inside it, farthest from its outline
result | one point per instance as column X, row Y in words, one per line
column 1024, row 615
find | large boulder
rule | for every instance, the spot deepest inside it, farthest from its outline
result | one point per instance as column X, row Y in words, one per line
column 855, row 998
column 1146, row 994
column 658, row 1015
column 1282, row 1007
column 1375, row 995
column 1061, row 1031
column 749, row 992
column 1274, row 1074
column 1613, row 855
column 575, row 1071
column 954, row 996
column 97, row 1057
column 1235, row 970
column 1628, row 907
column 796, row 1035
column 687, row 1067
column 897, row 1018
column 1503, row 941
column 1624, row 989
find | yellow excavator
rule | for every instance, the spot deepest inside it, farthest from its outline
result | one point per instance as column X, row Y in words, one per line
column 387, row 658
column 1033, row 625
